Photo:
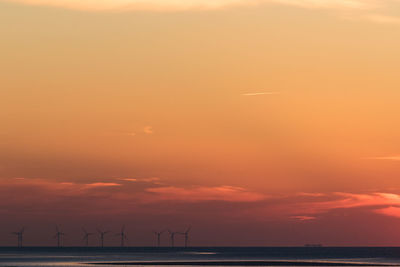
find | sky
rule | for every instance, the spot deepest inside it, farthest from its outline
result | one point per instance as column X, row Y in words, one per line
column 258, row 123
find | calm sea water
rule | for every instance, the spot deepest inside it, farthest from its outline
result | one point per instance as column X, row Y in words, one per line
column 316, row 256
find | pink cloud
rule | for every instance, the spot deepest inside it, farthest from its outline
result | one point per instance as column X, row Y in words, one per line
column 298, row 206
column 304, row 218
column 304, row 194
column 389, row 211
column 154, row 180
column 391, row 158
column 148, row 130
column 203, row 193
column 94, row 185
column 128, row 179
column 351, row 200
column 381, row 203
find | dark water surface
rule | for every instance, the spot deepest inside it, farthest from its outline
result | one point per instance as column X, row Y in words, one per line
column 220, row 256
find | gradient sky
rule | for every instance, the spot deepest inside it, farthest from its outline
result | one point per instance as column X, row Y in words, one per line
column 269, row 122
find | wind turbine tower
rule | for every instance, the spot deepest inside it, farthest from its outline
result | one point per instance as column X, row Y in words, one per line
column 158, row 234
column 59, row 235
column 86, row 236
column 172, row 237
column 186, row 234
column 102, row 234
column 19, row 236
column 122, row 234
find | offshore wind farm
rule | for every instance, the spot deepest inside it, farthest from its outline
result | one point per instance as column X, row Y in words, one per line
column 121, row 235
column 199, row 133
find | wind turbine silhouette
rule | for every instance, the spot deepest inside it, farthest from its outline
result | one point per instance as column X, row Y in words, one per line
column 186, row 234
column 122, row 235
column 102, row 234
column 172, row 237
column 59, row 235
column 19, row 236
column 158, row 234
column 86, row 236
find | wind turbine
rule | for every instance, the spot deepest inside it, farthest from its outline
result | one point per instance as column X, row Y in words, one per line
column 122, row 235
column 186, row 234
column 86, row 236
column 102, row 234
column 59, row 235
column 158, row 234
column 172, row 237
column 19, row 236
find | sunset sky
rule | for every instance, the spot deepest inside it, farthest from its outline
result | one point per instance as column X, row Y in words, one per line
column 258, row 122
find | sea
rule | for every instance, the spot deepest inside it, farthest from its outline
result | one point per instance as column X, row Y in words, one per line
column 199, row 256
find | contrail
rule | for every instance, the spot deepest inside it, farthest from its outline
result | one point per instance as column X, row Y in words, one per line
column 394, row 158
column 261, row 93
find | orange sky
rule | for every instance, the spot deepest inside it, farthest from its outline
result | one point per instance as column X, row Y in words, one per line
column 279, row 119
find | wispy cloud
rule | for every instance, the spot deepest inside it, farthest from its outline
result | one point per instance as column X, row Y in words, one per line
column 154, row 180
column 392, row 158
column 389, row 211
column 382, row 19
column 261, row 93
column 203, row 193
column 197, row 4
column 259, row 205
column 303, row 218
column 128, row 179
column 306, row 194
column 148, row 130
column 94, row 185
column 371, row 10
column 376, row 202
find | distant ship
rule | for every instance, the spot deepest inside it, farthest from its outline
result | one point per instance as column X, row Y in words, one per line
column 313, row 245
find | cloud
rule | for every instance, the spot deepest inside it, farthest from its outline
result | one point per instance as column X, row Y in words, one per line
column 128, row 179
column 311, row 194
column 154, row 180
column 368, row 10
column 94, row 185
column 40, row 195
column 383, row 19
column 389, row 211
column 305, row 207
column 342, row 4
column 203, row 193
column 261, row 93
column 162, row 5
column 148, row 130
column 63, row 187
column 304, row 218
column 392, row 158
column 376, row 202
